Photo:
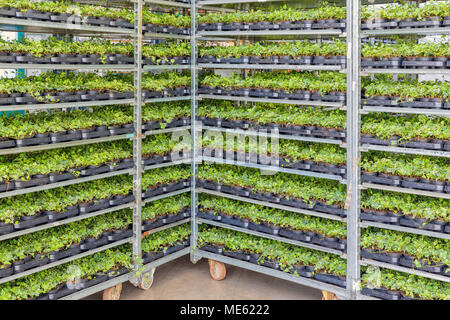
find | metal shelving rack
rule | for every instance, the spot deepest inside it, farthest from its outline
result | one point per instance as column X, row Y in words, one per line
column 358, row 148
column 353, row 145
column 138, row 39
column 240, row 35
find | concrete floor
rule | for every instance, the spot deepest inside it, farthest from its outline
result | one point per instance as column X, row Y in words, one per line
column 182, row 280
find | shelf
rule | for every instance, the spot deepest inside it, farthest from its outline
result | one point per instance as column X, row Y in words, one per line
column 441, row 235
column 406, row 190
column 156, row 35
column 168, row 3
column 167, row 164
column 272, row 205
column 165, row 227
column 271, row 33
column 33, row 26
column 65, row 183
column 65, row 221
column 54, row 66
column 123, row 278
column 425, row 152
column 167, row 99
column 166, row 195
column 65, row 260
column 426, row 71
column 42, row 106
column 162, row 131
column 271, row 67
column 165, row 67
column 65, row 144
column 274, row 273
column 432, row 112
column 252, row 132
column 406, row 31
column 276, row 169
column 332, row 105
column 272, row 237
column 406, row 270
column 221, row 2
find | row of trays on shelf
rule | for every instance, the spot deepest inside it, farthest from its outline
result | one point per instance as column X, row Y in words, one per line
column 87, row 96
column 88, row 133
column 390, row 62
column 89, row 171
column 338, row 24
column 39, row 260
column 149, row 257
column 304, row 95
column 384, row 294
column 283, row 162
column 321, row 132
column 107, row 237
column 87, row 59
column 91, row 207
column 334, row 210
column 91, row 21
column 255, row 258
column 286, row 232
column 68, row 288
column 405, row 261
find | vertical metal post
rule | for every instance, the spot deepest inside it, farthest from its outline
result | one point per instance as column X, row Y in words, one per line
column 194, row 133
column 137, row 142
column 353, row 142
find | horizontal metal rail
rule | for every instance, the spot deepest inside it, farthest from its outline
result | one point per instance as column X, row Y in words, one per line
column 433, row 112
column 65, row 260
column 165, row 227
column 272, row 237
column 394, row 267
column 271, row 67
column 369, row 71
column 166, row 195
column 64, row 183
column 434, row 234
column 272, row 205
column 42, row 106
column 274, row 273
column 332, row 105
column 406, row 190
column 424, row 152
column 406, row 31
column 276, row 169
column 10, row 24
column 253, row 132
column 65, row 221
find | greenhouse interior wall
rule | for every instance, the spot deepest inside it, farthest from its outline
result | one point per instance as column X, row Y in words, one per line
column 295, row 141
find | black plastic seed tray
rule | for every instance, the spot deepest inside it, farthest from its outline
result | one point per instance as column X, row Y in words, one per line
column 36, row 180
column 332, row 279
column 57, row 177
column 7, row 143
column 381, row 293
column 38, row 139
column 211, row 248
column 65, row 136
column 64, row 253
column 302, row 271
column 392, row 258
column 95, row 205
column 120, row 234
column 6, row 228
column 29, row 263
column 8, row 271
column 97, row 279
column 152, row 256
column 70, row 212
column 408, row 262
column 241, row 255
column 295, row 235
column 122, row 199
column 379, row 216
column 92, row 243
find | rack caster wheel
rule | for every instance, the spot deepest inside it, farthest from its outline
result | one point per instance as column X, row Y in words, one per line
column 328, row 295
column 112, row 293
column 217, row 270
column 146, row 281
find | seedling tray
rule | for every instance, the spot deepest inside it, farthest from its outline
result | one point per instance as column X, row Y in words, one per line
column 7, row 186
column 120, row 234
column 381, row 293
column 437, row 226
column 6, row 228
column 95, row 205
column 6, row 272
column 121, row 165
column 121, row 199
column 302, row 271
column 38, row 139
column 379, row 179
column 149, row 225
column 118, row 130
column 71, row 135
column 424, row 185
column 264, row 228
column 94, row 170
column 408, row 261
column 332, row 279
column 86, row 283
column 93, row 243
column 64, row 253
column 213, row 249
column 234, row 221
column 295, row 235
column 29, row 263
column 392, row 258
column 92, row 133
column 61, row 292
column 379, row 216
column 208, row 216
column 56, row 177
column 333, row 243
column 152, row 256
column 174, row 248
column 70, row 212
column 240, row 255
column 33, row 15
column 7, row 143
column 31, row 221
